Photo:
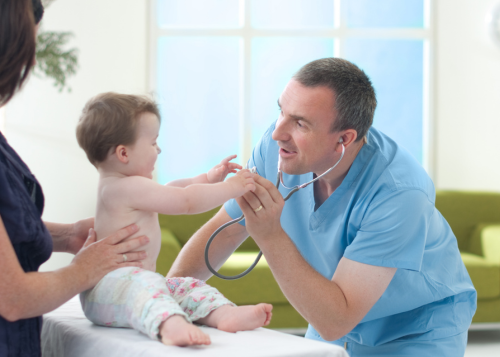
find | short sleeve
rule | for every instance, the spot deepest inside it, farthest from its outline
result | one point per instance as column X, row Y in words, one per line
column 393, row 231
column 258, row 159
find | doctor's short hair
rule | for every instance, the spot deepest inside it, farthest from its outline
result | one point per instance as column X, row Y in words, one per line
column 355, row 100
column 110, row 119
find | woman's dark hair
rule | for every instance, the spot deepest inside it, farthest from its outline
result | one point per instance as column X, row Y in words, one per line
column 37, row 10
column 17, row 45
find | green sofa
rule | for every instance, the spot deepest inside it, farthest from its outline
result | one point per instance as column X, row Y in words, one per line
column 256, row 287
column 473, row 216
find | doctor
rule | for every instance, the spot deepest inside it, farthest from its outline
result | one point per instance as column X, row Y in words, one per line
column 363, row 255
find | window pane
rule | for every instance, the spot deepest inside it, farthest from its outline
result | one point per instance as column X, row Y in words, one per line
column 385, row 13
column 396, row 70
column 199, row 13
column 274, row 62
column 198, row 88
column 291, row 14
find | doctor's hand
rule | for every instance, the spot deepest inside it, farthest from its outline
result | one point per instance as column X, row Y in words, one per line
column 219, row 172
column 262, row 209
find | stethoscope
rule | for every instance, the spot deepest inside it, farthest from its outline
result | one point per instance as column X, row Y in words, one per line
column 278, row 180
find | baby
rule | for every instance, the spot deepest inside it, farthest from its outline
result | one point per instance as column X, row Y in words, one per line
column 119, row 135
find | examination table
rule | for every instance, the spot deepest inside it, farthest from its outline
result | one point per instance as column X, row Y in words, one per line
column 66, row 332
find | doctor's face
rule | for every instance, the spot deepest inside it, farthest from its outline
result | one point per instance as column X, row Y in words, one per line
column 304, row 129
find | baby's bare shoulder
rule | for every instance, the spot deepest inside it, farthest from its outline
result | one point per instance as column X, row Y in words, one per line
column 120, row 187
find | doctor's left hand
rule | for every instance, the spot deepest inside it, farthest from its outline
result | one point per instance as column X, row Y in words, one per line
column 78, row 234
column 262, row 209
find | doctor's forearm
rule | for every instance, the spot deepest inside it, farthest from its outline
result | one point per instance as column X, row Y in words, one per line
column 190, row 261
column 320, row 301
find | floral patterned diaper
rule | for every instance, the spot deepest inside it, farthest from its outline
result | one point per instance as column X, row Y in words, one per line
column 141, row 299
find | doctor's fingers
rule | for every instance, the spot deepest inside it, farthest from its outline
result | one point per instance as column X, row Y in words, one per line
column 251, row 200
column 245, row 207
column 270, row 188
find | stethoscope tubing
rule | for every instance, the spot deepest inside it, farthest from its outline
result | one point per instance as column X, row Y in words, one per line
column 242, row 217
column 224, row 226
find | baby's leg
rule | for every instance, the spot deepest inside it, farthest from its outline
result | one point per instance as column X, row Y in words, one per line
column 208, row 306
column 137, row 298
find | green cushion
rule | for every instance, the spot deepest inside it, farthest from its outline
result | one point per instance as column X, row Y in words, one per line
column 490, row 240
column 256, row 287
column 485, row 275
column 184, row 226
column 170, row 247
column 488, row 310
column 465, row 210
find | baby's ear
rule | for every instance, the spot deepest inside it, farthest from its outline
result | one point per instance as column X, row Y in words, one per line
column 121, row 153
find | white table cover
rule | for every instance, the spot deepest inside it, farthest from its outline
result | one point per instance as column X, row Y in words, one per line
column 66, row 332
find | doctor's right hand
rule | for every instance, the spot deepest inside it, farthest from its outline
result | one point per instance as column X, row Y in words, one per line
column 262, row 210
column 98, row 258
column 241, row 183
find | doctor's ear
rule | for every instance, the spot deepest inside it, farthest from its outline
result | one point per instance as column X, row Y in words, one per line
column 348, row 137
column 121, row 153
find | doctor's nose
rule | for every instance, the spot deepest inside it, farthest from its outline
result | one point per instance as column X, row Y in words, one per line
column 280, row 131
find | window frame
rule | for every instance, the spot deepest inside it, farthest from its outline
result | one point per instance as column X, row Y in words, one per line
column 339, row 34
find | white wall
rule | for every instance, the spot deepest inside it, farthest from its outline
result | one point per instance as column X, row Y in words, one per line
column 111, row 36
column 467, row 115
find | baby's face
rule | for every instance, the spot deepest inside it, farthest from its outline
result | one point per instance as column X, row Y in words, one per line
column 144, row 152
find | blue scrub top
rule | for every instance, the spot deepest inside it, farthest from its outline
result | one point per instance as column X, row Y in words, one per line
column 382, row 214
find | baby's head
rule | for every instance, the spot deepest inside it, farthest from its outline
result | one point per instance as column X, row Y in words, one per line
column 119, row 132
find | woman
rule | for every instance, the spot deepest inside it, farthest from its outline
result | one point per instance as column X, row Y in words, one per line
column 25, row 241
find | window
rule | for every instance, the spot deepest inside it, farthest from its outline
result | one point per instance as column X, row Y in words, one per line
column 218, row 67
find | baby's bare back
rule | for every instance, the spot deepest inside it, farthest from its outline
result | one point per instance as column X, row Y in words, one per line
column 112, row 214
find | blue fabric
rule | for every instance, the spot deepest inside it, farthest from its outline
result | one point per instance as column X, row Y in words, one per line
column 21, row 207
column 382, row 214
column 453, row 346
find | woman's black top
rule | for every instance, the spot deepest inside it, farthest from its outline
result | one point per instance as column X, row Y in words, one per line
column 21, row 207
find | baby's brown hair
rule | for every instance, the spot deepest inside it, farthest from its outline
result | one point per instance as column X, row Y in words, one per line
column 110, row 119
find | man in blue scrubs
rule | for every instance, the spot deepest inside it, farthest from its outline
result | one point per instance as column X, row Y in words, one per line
column 362, row 254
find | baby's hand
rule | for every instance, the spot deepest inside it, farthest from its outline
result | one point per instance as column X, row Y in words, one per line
column 242, row 182
column 220, row 171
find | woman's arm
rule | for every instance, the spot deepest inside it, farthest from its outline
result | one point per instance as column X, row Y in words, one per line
column 69, row 238
column 24, row 295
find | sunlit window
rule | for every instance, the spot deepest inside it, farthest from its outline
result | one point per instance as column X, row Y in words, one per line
column 218, row 67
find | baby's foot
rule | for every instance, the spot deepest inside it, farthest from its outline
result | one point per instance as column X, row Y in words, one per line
column 240, row 318
column 177, row 331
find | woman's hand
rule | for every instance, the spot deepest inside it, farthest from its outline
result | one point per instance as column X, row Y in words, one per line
column 219, row 172
column 78, row 235
column 97, row 258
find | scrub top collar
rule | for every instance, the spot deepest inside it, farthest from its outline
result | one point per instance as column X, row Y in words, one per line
column 359, row 164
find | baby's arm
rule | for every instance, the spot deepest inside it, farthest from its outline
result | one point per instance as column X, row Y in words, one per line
column 146, row 195
column 216, row 174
